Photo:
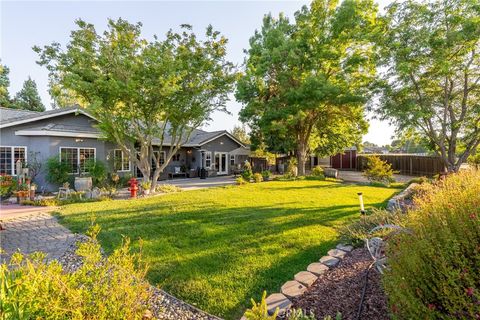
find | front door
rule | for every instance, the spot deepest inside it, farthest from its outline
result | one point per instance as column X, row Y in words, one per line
column 221, row 163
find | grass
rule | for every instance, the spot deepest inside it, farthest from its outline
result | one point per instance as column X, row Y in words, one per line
column 217, row 248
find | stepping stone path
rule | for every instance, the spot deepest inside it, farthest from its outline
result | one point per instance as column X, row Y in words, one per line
column 37, row 232
column 317, row 268
column 329, row 261
column 304, row 279
column 293, row 289
column 277, row 300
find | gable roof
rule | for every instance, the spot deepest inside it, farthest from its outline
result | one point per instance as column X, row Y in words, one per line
column 21, row 116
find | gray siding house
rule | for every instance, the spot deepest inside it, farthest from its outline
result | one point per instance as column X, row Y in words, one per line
column 71, row 134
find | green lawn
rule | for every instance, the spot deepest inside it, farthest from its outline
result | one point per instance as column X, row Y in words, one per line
column 217, row 248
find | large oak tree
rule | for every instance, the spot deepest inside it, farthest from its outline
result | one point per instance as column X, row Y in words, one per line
column 431, row 79
column 145, row 94
column 305, row 84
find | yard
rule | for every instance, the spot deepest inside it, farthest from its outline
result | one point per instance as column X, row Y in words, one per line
column 217, row 248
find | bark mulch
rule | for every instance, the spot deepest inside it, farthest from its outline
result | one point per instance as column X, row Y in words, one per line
column 340, row 290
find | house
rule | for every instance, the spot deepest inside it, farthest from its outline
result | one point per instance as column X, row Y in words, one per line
column 72, row 135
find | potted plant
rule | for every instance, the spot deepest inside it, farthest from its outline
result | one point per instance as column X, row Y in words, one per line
column 23, row 192
column 146, row 187
column 266, row 175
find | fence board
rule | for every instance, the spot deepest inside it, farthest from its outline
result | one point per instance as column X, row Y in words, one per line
column 406, row 163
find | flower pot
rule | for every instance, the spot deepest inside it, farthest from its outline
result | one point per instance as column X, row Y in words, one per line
column 146, row 192
column 83, row 183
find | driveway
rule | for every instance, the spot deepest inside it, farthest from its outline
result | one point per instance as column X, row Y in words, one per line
column 197, row 183
column 357, row 177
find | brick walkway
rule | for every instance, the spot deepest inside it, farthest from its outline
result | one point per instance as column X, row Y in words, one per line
column 37, row 232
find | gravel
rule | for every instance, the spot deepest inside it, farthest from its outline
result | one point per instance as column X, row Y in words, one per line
column 162, row 305
column 339, row 290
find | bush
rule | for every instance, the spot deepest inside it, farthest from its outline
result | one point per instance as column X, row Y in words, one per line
column 102, row 288
column 356, row 232
column 259, row 311
column 291, row 168
column 266, row 174
column 58, row 172
column 97, row 170
column 379, row 171
column 247, row 173
column 167, row 188
column 7, row 185
column 240, row 181
column 257, row 177
column 435, row 270
column 317, row 171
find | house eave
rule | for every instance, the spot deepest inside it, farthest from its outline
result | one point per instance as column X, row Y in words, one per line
column 51, row 133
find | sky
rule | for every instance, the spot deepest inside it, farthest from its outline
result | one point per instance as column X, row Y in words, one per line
column 24, row 24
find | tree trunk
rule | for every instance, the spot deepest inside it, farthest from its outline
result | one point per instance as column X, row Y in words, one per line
column 301, row 158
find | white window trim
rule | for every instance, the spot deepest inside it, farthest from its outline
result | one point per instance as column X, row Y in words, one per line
column 211, row 159
column 78, row 155
column 232, row 157
column 12, row 150
column 123, row 155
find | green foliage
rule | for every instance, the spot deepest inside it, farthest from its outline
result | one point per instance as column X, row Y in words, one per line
column 142, row 90
column 241, row 134
column 359, row 230
column 259, row 311
column 266, row 174
column 58, row 172
column 247, row 173
column 75, row 197
column 167, row 188
column 102, row 288
column 435, row 268
column 4, row 84
column 298, row 314
column 240, row 181
column 474, row 160
column 318, row 173
column 28, row 98
column 7, row 185
column 257, row 177
column 306, row 83
column 292, row 170
column 430, row 48
column 97, row 170
column 146, row 185
column 379, row 171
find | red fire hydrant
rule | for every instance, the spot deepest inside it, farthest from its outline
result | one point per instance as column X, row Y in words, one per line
column 133, row 187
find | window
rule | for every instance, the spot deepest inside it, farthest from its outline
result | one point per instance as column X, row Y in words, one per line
column 9, row 157
column 120, row 161
column 208, row 160
column 232, row 159
column 76, row 158
column 162, row 157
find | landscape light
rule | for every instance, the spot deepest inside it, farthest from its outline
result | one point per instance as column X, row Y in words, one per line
column 360, row 198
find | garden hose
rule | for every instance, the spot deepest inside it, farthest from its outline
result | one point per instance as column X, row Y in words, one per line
column 364, row 290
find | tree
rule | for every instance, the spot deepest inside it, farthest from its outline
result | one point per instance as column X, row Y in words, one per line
column 305, row 84
column 241, row 134
column 28, row 98
column 4, row 84
column 146, row 95
column 431, row 83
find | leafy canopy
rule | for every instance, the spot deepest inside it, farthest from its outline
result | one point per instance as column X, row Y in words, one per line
column 28, row 98
column 431, row 79
column 305, row 83
column 145, row 94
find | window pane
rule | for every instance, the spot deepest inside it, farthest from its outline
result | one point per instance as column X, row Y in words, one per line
column 125, row 162
column 117, row 160
column 232, row 160
column 6, row 160
column 19, row 154
column 70, row 156
column 162, row 157
column 85, row 155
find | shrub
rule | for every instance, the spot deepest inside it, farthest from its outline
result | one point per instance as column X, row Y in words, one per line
column 291, row 168
column 167, row 188
column 435, row 269
column 259, row 311
column 356, row 232
column 240, row 181
column 102, row 288
column 7, row 185
column 146, row 185
column 97, row 170
column 266, row 174
column 58, row 172
column 317, row 171
column 247, row 173
column 257, row 177
column 379, row 171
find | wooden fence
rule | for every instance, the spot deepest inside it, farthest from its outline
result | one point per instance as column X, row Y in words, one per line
column 407, row 163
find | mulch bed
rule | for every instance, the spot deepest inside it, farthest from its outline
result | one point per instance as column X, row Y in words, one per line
column 340, row 289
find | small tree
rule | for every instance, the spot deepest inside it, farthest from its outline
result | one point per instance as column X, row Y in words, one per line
column 58, row 172
column 4, row 84
column 34, row 165
column 379, row 170
column 28, row 98
column 146, row 95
